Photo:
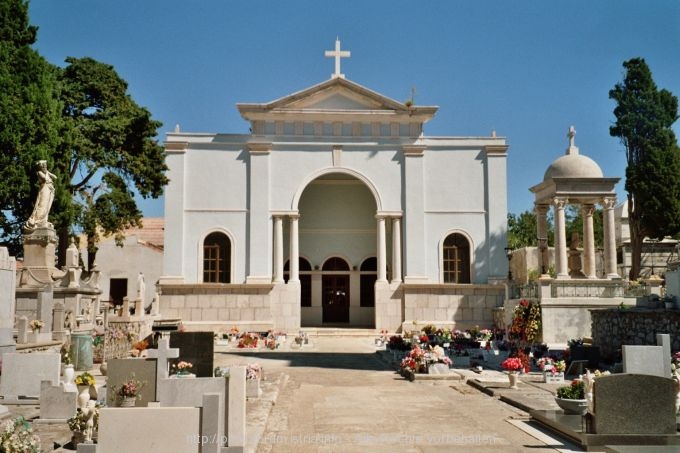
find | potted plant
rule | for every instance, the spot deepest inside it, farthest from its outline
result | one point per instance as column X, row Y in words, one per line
column 128, row 392
column 553, row 370
column 512, row 365
column 572, row 398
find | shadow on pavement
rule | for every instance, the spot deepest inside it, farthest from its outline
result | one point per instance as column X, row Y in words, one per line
column 331, row 360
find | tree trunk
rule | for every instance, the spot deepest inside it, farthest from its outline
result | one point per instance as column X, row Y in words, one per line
column 91, row 251
column 636, row 240
column 62, row 245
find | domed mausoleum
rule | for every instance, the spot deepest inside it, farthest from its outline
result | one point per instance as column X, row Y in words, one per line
column 576, row 179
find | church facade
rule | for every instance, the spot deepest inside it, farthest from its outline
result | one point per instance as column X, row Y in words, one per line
column 336, row 210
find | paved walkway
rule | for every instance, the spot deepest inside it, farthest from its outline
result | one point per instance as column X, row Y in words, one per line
column 338, row 395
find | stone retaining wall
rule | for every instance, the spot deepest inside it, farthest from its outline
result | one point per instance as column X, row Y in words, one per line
column 634, row 326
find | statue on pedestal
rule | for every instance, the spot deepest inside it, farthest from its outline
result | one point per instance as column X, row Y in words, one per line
column 43, row 203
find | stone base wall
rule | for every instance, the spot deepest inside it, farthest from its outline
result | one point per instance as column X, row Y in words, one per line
column 219, row 307
column 634, row 326
column 458, row 306
column 567, row 318
column 388, row 306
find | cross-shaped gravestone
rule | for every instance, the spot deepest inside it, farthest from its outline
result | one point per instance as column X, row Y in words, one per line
column 162, row 354
column 337, row 54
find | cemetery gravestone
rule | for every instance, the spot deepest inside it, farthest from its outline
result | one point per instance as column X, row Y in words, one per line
column 634, row 404
column 7, row 300
column 55, row 402
column 196, row 348
column 120, row 370
column 664, row 340
column 149, row 429
column 644, row 360
column 22, row 374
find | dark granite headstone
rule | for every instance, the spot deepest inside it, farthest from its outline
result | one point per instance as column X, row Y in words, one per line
column 196, row 348
column 120, row 370
column 634, row 404
column 589, row 353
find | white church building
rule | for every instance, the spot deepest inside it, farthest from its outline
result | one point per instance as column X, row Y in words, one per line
column 336, row 210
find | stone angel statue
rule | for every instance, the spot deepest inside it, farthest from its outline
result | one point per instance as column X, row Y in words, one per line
column 43, row 203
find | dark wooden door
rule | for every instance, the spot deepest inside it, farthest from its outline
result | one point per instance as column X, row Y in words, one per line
column 335, row 300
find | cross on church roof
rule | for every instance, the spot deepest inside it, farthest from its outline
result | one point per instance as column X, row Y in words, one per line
column 337, row 54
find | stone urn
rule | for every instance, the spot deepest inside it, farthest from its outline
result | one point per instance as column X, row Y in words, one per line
column 83, row 395
column 572, row 407
column 513, row 376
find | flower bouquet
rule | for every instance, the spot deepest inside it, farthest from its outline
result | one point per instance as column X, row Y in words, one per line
column 84, row 379
column 512, row 364
column 127, row 393
column 16, row 435
column 36, row 325
column 248, row 340
column 182, row 368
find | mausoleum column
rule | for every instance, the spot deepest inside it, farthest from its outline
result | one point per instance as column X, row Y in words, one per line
column 560, row 239
column 609, row 238
column 542, row 232
column 382, row 249
column 278, row 249
column 589, row 241
column 396, row 250
column 294, row 249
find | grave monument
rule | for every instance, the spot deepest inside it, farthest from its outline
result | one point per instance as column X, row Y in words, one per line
column 42, row 285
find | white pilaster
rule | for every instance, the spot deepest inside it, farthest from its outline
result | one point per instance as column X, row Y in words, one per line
column 609, row 238
column 396, row 250
column 414, row 266
column 589, row 241
column 382, row 249
column 278, row 249
column 260, row 225
column 175, row 264
column 560, row 239
column 497, row 211
column 294, row 249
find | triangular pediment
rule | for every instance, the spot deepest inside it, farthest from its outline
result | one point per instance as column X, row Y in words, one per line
column 332, row 101
column 337, row 98
column 333, row 94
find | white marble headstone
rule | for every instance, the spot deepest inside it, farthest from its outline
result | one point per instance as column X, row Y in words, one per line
column 23, row 373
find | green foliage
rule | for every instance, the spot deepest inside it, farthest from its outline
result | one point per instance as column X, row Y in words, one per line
column 111, row 148
column 574, row 224
column 30, row 122
column 81, row 119
column 522, row 230
column 644, row 116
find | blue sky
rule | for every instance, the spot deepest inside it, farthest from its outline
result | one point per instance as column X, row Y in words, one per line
column 526, row 69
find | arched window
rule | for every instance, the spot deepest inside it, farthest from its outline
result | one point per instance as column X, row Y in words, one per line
column 335, row 264
column 305, row 280
column 456, row 259
column 217, row 258
column 369, row 274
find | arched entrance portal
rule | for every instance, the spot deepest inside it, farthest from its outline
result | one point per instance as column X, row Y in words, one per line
column 337, row 231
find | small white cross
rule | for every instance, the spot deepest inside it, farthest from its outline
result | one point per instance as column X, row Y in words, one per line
column 337, row 54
